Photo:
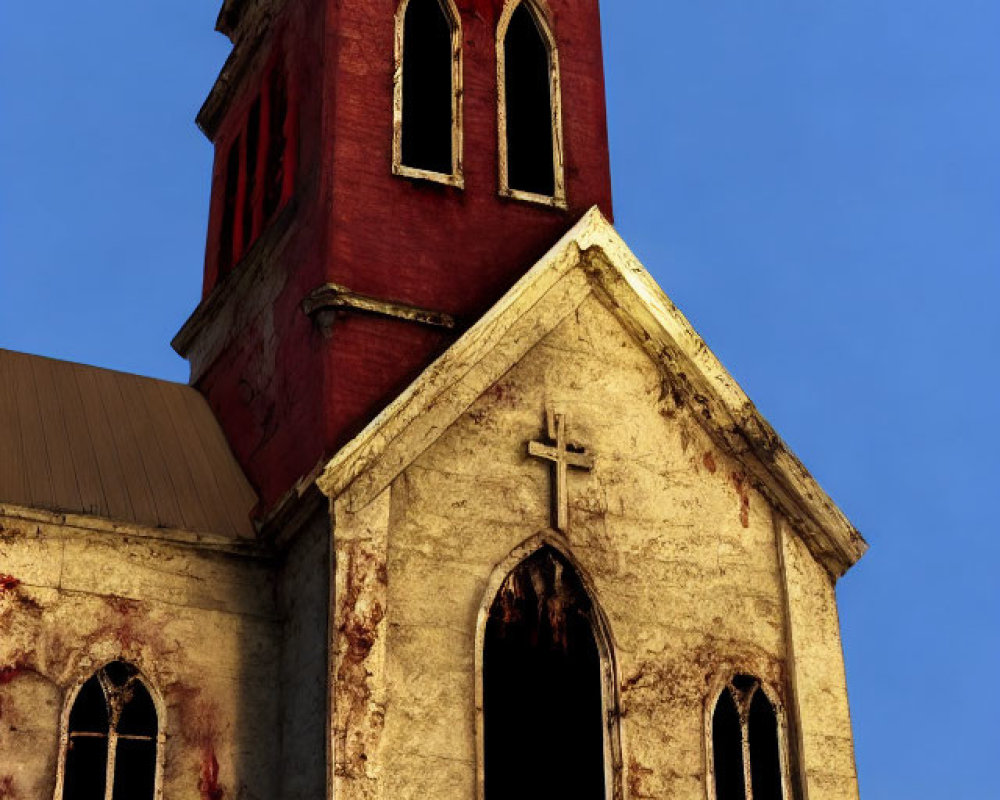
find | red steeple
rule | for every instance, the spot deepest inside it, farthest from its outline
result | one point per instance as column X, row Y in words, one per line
column 384, row 171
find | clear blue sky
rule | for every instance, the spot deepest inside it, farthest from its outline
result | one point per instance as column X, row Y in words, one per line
column 817, row 185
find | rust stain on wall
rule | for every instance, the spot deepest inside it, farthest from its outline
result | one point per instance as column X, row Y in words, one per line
column 200, row 729
column 11, row 588
column 637, row 776
column 360, row 617
column 656, row 683
column 501, row 395
column 709, row 461
column 10, row 672
column 7, row 790
column 127, row 619
column 740, row 483
column 209, row 787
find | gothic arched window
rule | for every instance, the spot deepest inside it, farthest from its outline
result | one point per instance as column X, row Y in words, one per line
column 111, row 746
column 530, row 111
column 544, row 732
column 427, row 130
column 746, row 749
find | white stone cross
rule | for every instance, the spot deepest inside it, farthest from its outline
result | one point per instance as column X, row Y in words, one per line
column 562, row 458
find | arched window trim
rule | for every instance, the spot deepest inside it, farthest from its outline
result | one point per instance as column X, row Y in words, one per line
column 457, row 177
column 610, row 699
column 721, row 684
column 161, row 715
column 541, row 17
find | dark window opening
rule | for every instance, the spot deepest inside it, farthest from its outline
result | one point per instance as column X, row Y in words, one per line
column 542, row 689
column 90, row 711
column 86, row 765
column 427, row 87
column 138, row 715
column 113, row 716
column 228, row 227
column 765, row 760
column 258, row 172
column 530, row 148
column 727, row 750
column 274, row 175
column 250, row 192
column 746, row 722
column 135, row 770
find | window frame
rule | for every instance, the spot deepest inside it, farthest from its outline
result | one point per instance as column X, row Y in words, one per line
column 456, row 178
column 64, row 733
column 542, row 18
column 722, row 684
column 610, row 683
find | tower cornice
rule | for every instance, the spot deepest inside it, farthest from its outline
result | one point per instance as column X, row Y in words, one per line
column 244, row 57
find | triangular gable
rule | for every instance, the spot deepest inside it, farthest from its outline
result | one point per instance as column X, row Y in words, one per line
column 592, row 259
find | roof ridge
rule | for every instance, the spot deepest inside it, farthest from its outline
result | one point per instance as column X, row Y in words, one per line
column 6, row 351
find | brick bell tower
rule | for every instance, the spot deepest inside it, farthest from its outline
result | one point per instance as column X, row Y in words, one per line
column 384, row 171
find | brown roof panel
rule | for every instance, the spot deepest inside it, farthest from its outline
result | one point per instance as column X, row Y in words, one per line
column 84, row 440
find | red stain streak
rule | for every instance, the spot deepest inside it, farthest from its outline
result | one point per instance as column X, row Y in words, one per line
column 742, row 489
column 709, row 461
column 637, row 775
column 10, row 672
column 8, row 583
column 128, row 610
column 7, row 788
column 208, row 784
column 122, row 605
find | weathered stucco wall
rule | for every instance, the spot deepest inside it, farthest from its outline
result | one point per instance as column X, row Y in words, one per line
column 198, row 622
column 825, row 743
column 303, row 603
column 680, row 548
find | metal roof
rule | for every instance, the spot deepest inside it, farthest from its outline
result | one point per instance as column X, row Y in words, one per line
column 83, row 440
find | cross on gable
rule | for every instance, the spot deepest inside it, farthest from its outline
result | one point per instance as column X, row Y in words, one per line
column 563, row 456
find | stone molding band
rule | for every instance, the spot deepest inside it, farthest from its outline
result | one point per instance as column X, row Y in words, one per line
column 332, row 297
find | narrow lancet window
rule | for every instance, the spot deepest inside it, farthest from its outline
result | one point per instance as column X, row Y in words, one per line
column 259, row 171
column 529, row 112
column 746, row 744
column 428, row 58
column 250, row 179
column 112, row 742
column 229, row 198
column 727, row 749
column 765, row 758
column 274, row 173
column 544, row 733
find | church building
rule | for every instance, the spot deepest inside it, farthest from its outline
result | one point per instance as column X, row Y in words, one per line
column 457, row 504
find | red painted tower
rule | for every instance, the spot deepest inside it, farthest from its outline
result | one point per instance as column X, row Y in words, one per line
column 384, row 171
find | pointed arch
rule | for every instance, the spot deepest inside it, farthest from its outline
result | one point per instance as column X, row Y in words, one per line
column 427, row 117
column 746, row 741
column 111, row 737
column 529, row 107
column 551, row 547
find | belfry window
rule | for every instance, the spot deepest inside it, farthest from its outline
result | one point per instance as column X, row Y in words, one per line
column 427, row 137
column 544, row 731
column 746, row 744
column 112, row 743
column 227, row 232
column 530, row 113
column 258, row 172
